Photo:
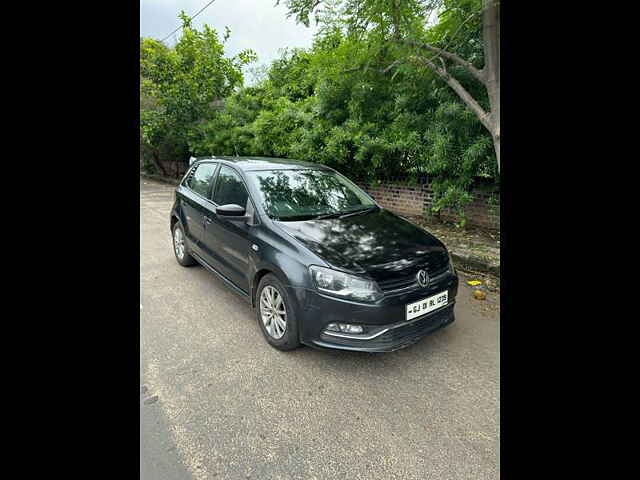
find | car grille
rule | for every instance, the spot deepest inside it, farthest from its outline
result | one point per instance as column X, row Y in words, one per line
column 407, row 278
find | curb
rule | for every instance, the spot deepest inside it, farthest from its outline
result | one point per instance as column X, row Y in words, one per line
column 477, row 264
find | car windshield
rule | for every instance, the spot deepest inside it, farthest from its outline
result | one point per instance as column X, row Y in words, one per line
column 290, row 195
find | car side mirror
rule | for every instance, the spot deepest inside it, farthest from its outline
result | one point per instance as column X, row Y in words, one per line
column 232, row 212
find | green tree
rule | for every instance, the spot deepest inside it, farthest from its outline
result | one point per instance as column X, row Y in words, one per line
column 340, row 103
column 399, row 24
column 181, row 86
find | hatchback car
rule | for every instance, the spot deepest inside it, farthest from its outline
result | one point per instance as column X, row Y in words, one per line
column 320, row 262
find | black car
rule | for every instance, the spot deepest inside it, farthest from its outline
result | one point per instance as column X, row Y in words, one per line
column 317, row 258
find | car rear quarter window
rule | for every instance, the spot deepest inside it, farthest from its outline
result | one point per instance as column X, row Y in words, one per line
column 200, row 181
column 230, row 188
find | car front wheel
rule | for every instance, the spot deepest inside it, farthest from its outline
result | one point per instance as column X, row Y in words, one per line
column 276, row 315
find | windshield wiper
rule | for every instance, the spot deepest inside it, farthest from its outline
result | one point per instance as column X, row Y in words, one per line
column 328, row 215
column 358, row 212
column 344, row 215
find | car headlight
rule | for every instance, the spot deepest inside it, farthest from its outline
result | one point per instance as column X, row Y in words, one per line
column 343, row 285
column 451, row 267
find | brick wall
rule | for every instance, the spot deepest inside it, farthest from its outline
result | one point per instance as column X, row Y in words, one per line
column 407, row 198
column 400, row 197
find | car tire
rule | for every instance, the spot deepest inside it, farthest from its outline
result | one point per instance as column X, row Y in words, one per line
column 271, row 328
column 186, row 260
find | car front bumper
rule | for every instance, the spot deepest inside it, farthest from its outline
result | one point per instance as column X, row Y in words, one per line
column 386, row 327
column 392, row 337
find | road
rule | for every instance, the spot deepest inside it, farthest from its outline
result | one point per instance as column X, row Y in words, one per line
column 216, row 401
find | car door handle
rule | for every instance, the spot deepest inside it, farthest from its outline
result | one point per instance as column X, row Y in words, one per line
column 207, row 220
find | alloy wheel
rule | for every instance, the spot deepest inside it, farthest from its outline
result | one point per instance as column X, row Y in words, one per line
column 178, row 242
column 273, row 312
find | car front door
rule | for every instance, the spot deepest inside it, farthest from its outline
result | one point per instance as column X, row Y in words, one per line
column 226, row 243
column 195, row 202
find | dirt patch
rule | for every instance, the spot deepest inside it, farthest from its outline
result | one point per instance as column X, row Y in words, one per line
column 474, row 249
column 489, row 284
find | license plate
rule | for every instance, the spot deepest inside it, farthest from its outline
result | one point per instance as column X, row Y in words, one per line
column 427, row 305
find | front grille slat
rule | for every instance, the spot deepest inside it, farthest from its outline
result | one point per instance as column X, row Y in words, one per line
column 396, row 284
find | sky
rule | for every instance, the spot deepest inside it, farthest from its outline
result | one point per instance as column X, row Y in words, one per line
column 254, row 24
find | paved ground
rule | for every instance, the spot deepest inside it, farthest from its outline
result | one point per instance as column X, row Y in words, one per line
column 216, row 401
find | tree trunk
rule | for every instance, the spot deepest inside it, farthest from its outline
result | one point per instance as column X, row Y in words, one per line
column 155, row 159
column 496, row 146
column 491, row 41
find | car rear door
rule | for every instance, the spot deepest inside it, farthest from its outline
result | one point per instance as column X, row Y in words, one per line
column 226, row 243
column 195, row 202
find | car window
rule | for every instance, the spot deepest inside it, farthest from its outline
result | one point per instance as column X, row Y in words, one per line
column 229, row 188
column 299, row 194
column 200, row 180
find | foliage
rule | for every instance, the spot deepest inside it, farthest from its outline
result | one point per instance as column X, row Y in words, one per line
column 443, row 137
column 179, row 86
column 338, row 104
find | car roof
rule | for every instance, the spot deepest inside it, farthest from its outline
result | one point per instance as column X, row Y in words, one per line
column 265, row 163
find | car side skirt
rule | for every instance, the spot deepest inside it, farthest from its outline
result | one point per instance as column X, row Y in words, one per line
column 229, row 283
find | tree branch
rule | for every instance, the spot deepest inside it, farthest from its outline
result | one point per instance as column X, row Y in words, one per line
column 484, row 117
column 474, row 14
column 386, row 69
column 479, row 74
column 376, row 68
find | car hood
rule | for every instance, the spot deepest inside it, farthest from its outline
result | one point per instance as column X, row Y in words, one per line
column 378, row 243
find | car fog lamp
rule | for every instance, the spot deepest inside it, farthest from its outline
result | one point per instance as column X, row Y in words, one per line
column 345, row 328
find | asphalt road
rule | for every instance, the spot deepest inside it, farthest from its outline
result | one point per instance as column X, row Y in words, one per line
column 216, row 401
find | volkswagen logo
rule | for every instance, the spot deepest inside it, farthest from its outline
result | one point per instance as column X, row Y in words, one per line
column 423, row 278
